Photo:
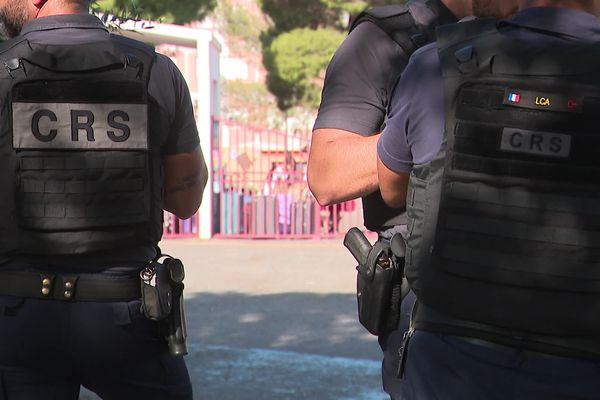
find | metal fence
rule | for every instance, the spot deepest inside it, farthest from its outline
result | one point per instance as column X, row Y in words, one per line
column 259, row 189
column 174, row 227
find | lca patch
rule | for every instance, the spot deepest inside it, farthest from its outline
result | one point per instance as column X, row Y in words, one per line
column 547, row 144
column 543, row 101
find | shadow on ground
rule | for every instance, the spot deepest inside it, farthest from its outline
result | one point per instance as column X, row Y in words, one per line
column 287, row 346
column 324, row 324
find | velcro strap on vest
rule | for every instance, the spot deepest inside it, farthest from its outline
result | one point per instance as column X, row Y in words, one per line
column 68, row 287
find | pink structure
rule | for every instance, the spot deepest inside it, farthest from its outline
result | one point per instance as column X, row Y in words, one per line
column 174, row 227
column 260, row 188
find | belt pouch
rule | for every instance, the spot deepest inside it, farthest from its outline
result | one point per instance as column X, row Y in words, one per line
column 156, row 291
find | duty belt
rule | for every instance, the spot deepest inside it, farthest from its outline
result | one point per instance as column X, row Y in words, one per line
column 428, row 319
column 68, row 287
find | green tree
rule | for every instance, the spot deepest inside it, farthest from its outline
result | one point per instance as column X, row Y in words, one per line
column 249, row 102
column 296, row 62
column 175, row 11
column 290, row 14
column 303, row 37
column 242, row 27
column 356, row 6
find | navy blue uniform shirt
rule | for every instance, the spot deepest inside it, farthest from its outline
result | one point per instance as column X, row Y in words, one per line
column 443, row 366
column 415, row 126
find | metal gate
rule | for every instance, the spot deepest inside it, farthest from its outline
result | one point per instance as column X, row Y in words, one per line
column 260, row 189
column 174, row 227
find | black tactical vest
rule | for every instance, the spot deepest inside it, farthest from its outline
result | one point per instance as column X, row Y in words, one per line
column 411, row 26
column 505, row 220
column 79, row 170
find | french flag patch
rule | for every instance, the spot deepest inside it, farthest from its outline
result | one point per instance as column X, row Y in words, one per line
column 514, row 97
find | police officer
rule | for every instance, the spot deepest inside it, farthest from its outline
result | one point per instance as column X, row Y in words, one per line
column 358, row 85
column 97, row 137
column 491, row 146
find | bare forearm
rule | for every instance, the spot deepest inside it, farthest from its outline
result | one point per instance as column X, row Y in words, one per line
column 178, row 194
column 186, row 176
column 393, row 185
column 342, row 165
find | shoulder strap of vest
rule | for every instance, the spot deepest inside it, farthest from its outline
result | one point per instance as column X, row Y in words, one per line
column 7, row 46
column 396, row 21
column 141, row 46
column 465, row 59
column 117, row 51
column 140, row 50
column 11, row 52
column 452, row 34
column 480, row 47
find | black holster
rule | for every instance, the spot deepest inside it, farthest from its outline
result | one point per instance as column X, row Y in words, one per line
column 379, row 289
column 162, row 300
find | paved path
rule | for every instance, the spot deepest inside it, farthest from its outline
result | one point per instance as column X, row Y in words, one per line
column 275, row 320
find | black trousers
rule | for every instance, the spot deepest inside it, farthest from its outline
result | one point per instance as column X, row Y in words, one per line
column 390, row 345
column 48, row 348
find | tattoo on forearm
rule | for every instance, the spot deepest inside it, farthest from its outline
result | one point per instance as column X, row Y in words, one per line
column 182, row 185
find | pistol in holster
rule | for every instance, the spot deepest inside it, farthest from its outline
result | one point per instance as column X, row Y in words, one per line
column 379, row 281
column 162, row 300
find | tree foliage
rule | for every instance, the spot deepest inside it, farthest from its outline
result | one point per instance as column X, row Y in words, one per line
column 303, row 37
column 354, row 7
column 291, row 14
column 248, row 102
column 296, row 61
column 175, row 11
column 243, row 28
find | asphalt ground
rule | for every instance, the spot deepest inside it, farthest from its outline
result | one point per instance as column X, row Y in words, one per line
column 274, row 320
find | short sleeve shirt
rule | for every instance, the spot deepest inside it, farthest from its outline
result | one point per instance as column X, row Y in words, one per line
column 363, row 71
column 358, row 85
column 416, row 120
column 358, row 81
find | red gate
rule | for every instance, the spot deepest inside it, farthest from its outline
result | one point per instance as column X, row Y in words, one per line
column 260, row 190
column 174, row 227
